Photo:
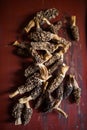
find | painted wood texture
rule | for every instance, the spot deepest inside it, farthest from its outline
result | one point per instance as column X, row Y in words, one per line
column 14, row 15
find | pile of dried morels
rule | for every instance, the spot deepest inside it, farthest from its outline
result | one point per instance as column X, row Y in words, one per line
column 46, row 80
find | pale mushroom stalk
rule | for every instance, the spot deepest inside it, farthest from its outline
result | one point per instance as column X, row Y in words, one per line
column 56, row 107
column 30, row 25
column 61, row 111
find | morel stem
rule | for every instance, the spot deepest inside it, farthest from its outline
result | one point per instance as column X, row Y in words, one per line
column 18, row 121
column 14, row 94
column 73, row 20
column 44, row 19
column 16, row 43
column 30, row 25
column 25, row 99
column 61, row 111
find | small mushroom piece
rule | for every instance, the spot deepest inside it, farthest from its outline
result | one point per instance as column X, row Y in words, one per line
column 74, row 28
column 17, row 113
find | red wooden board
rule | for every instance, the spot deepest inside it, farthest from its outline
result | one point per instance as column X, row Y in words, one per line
column 13, row 15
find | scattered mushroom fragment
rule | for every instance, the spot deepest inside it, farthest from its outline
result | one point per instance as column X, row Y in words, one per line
column 74, row 28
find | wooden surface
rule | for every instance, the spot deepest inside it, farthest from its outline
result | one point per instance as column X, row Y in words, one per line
column 13, row 15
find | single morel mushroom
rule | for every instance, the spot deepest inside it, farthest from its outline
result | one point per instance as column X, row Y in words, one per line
column 43, row 36
column 59, row 78
column 42, row 17
column 17, row 113
column 74, row 28
column 27, row 114
column 30, row 84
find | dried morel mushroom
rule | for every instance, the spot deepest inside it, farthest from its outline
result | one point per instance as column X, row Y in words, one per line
column 17, row 113
column 42, row 17
column 47, row 75
column 27, row 114
column 74, row 28
column 30, row 84
column 59, row 78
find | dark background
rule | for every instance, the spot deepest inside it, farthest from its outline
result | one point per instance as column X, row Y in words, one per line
column 13, row 16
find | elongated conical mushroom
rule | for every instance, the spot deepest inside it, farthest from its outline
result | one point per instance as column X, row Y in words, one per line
column 59, row 78
column 30, row 84
column 17, row 113
column 74, row 28
column 27, row 114
column 42, row 17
